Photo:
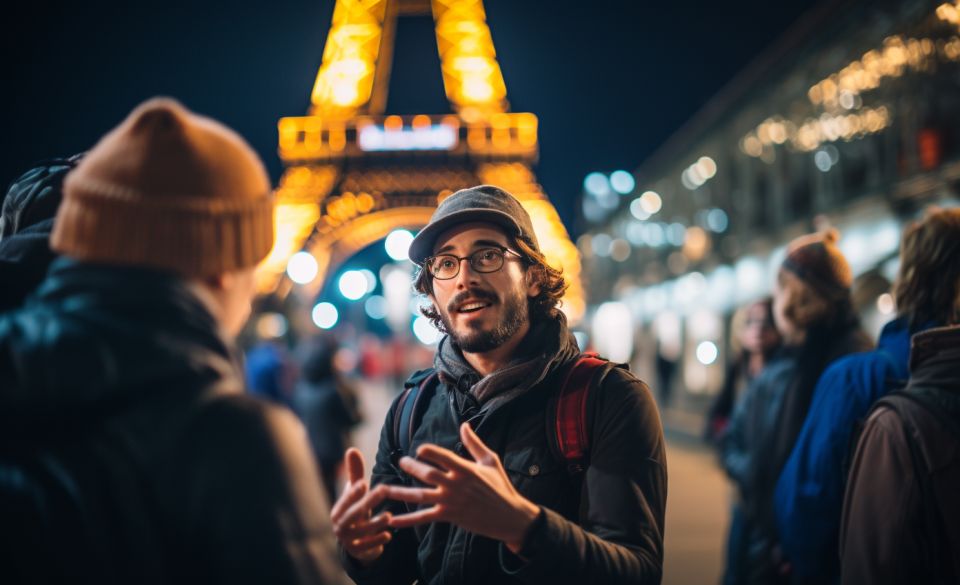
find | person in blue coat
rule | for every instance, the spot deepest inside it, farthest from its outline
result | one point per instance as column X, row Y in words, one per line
column 809, row 494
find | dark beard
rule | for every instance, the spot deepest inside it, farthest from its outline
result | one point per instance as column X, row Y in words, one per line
column 515, row 314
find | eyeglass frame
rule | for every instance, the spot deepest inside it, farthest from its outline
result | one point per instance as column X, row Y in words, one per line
column 469, row 257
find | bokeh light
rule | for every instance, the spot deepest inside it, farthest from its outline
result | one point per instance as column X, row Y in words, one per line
column 302, row 268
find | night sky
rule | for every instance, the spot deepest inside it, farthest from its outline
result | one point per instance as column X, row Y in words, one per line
column 610, row 81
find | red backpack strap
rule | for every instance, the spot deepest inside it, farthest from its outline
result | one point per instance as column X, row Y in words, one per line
column 571, row 411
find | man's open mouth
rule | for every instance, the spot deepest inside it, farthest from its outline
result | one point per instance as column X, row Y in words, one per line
column 472, row 306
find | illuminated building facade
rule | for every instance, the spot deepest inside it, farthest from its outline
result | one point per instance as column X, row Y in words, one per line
column 852, row 119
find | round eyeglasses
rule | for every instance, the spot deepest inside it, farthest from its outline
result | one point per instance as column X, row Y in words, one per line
column 484, row 260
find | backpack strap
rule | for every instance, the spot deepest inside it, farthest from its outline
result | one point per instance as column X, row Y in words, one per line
column 903, row 402
column 409, row 407
column 570, row 416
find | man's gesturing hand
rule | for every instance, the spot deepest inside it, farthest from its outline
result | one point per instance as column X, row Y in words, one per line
column 474, row 495
column 362, row 537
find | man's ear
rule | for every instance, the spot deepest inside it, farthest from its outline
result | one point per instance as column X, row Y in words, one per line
column 533, row 278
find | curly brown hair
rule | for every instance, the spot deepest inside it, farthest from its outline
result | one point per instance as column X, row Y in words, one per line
column 545, row 305
column 928, row 284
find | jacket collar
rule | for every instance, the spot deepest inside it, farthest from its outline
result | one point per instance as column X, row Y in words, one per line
column 934, row 357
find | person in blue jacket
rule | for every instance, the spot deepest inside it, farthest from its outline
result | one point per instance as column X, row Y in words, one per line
column 809, row 494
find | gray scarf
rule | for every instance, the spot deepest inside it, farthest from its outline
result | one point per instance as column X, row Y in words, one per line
column 547, row 346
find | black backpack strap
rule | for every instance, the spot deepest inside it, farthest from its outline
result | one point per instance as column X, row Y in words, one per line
column 409, row 409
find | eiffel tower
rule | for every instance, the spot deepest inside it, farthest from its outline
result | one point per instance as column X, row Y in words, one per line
column 353, row 173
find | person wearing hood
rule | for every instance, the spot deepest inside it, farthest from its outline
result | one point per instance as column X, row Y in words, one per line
column 130, row 453
column 26, row 221
column 479, row 494
column 809, row 494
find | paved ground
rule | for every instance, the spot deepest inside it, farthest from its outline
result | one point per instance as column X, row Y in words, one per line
column 697, row 501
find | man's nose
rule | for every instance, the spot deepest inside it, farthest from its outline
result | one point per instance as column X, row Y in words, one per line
column 467, row 274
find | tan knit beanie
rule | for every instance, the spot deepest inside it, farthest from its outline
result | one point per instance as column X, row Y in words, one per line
column 168, row 189
column 817, row 260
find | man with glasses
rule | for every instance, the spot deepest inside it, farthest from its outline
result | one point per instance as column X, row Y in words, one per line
column 479, row 494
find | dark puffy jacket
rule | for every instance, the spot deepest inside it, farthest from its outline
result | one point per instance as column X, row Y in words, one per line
column 901, row 510
column 754, row 419
column 117, row 383
column 604, row 526
column 26, row 221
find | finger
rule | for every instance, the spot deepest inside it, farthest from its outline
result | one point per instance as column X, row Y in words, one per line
column 361, row 545
column 361, row 509
column 414, row 495
column 361, row 529
column 354, row 462
column 481, row 453
column 426, row 516
column 443, row 458
column 350, row 496
column 428, row 474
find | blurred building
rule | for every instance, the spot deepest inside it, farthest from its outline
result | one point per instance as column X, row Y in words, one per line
column 852, row 119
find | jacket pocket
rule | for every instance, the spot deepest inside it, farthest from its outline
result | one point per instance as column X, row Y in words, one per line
column 537, row 475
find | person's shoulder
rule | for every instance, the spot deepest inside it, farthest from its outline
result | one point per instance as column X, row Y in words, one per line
column 619, row 379
column 621, row 393
column 869, row 371
column 244, row 421
column 884, row 421
column 626, row 421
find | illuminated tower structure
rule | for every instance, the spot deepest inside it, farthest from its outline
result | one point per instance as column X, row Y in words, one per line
column 353, row 173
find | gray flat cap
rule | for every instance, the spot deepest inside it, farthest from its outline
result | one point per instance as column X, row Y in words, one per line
column 482, row 203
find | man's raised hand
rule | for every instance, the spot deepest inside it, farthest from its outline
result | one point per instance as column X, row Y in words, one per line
column 475, row 495
column 362, row 536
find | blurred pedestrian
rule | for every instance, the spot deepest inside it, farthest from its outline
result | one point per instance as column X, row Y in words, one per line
column 129, row 451
column 813, row 310
column 328, row 405
column 758, row 341
column 270, row 371
column 901, row 512
column 26, row 221
column 756, row 337
column 809, row 493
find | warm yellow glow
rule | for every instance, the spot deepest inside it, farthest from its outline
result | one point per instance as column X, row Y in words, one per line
column 815, row 131
column 892, row 60
column 504, row 134
column 471, row 74
column 296, row 214
column 696, row 243
column 560, row 252
column 345, row 79
column 393, row 123
column 332, row 245
column 839, row 92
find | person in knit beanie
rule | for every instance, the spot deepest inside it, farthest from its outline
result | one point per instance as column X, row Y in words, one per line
column 121, row 374
column 173, row 191
column 814, row 278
